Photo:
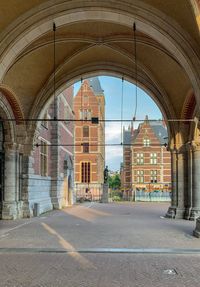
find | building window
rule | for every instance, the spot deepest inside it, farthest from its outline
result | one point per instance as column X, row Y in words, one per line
column 86, row 132
column 153, row 158
column 85, row 172
column 85, row 147
column 146, row 142
column 153, row 175
column 140, row 176
column 140, row 158
column 43, row 159
column 85, row 114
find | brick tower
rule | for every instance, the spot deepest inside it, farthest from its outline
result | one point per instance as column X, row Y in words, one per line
column 89, row 151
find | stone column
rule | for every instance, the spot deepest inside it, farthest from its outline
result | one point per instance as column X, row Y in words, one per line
column 195, row 212
column 188, row 202
column 182, row 183
column 174, row 168
column 10, row 210
column 28, row 171
column 56, row 196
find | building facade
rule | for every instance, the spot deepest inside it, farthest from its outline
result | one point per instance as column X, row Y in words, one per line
column 51, row 184
column 89, row 103
column 147, row 160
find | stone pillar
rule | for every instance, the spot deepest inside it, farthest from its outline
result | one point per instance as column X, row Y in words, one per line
column 196, row 232
column 188, row 203
column 56, row 196
column 174, row 169
column 10, row 210
column 104, row 198
column 28, row 171
column 195, row 212
column 182, row 183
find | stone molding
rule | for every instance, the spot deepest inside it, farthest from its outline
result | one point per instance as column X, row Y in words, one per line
column 195, row 146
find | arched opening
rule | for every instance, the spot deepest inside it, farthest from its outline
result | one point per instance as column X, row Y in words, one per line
column 88, row 190
column 99, row 40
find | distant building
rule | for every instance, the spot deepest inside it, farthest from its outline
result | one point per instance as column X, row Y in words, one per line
column 147, row 160
column 89, row 103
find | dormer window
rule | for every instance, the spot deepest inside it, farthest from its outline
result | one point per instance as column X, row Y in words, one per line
column 146, row 142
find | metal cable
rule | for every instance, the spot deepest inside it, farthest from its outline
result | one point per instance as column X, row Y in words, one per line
column 122, row 103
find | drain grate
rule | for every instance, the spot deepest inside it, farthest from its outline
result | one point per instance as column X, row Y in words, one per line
column 170, row 272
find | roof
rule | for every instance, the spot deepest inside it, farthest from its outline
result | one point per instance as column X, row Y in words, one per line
column 127, row 137
column 96, row 86
column 160, row 131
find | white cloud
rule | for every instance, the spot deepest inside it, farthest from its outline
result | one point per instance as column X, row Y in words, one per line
column 113, row 132
column 114, row 156
column 113, row 152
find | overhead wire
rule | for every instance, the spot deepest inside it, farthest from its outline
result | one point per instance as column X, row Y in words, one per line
column 122, row 103
column 99, row 120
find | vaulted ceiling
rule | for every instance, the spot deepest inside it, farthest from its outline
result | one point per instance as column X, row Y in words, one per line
column 96, row 37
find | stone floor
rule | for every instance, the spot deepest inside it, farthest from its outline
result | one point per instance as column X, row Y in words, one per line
column 125, row 244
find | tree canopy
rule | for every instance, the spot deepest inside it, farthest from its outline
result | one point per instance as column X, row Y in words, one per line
column 114, row 181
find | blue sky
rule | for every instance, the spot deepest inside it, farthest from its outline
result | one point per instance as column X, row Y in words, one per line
column 113, row 93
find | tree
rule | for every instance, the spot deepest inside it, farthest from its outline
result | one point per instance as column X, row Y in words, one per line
column 114, row 181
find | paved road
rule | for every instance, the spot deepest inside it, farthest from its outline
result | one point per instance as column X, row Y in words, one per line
column 35, row 252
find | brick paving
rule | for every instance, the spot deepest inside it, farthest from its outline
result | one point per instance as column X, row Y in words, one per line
column 126, row 225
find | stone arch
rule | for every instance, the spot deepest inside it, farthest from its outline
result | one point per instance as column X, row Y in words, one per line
column 13, row 103
column 45, row 97
column 188, row 114
column 6, row 113
column 172, row 37
column 196, row 8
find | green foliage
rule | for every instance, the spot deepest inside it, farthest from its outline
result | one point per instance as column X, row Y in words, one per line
column 114, row 182
column 116, row 198
column 116, row 195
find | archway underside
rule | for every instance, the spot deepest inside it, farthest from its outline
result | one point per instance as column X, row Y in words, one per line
column 85, row 46
column 96, row 45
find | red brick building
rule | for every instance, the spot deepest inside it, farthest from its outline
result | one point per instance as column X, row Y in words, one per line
column 52, row 179
column 89, row 103
column 150, row 166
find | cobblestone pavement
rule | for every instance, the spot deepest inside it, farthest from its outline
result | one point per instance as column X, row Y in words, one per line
column 93, row 226
column 100, row 270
